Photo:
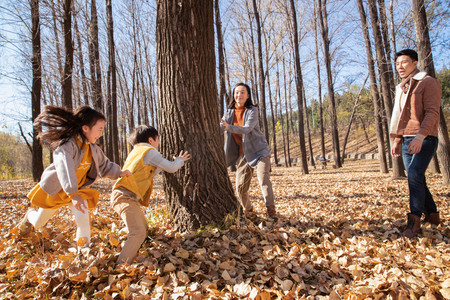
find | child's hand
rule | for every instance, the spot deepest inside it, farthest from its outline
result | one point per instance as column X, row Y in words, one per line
column 79, row 203
column 184, row 156
column 125, row 173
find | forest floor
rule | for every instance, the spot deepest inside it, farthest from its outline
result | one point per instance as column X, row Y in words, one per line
column 338, row 237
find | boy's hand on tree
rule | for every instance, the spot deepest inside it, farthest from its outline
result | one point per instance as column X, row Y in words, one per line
column 184, row 156
column 79, row 203
column 125, row 173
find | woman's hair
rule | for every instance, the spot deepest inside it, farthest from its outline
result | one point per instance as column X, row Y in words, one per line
column 56, row 125
column 142, row 133
column 248, row 103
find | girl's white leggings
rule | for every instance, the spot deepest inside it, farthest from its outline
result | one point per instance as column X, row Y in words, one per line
column 40, row 217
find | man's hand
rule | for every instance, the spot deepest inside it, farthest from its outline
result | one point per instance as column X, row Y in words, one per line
column 416, row 144
column 396, row 149
column 79, row 203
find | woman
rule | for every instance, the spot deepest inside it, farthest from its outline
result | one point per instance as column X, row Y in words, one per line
column 247, row 148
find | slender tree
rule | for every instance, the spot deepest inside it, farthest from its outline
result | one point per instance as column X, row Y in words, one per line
column 221, row 56
column 188, row 113
column 299, row 84
column 323, row 20
column 373, row 90
column 112, row 82
column 397, row 166
column 68, row 50
column 36, row 62
column 262, row 77
column 426, row 62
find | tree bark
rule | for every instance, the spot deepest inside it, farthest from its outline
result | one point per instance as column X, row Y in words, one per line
column 322, row 10
column 201, row 193
column 220, row 51
column 319, row 87
column 426, row 62
column 68, row 49
column 36, row 62
column 374, row 90
column 262, row 78
column 299, row 84
column 112, row 102
column 397, row 166
column 81, row 62
column 95, row 59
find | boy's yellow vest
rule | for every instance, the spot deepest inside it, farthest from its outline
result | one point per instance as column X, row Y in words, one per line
column 141, row 182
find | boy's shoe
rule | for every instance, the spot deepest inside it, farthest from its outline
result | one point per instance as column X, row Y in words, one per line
column 24, row 226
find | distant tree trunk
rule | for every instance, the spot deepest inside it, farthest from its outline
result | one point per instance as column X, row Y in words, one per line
column 68, row 47
column 220, row 50
column 81, row 62
column 286, row 97
column 299, row 85
column 57, row 46
column 426, row 62
column 374, row 90
column 319, row 87
column 112, row 102
column 352, row 116
column 188, row 114
column 95, row 59
column 387, row 47
column 323, row 18
column 397, row 166
column 262, row 78
column 308, row 131
column 274, row 122
column 36, row 62
column 391, row 17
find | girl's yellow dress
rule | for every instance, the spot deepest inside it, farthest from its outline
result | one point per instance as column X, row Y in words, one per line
column 40, row 198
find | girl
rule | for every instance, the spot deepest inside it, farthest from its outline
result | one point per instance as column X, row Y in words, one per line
column 78, row 161
column 246, row 147
column 129, row 193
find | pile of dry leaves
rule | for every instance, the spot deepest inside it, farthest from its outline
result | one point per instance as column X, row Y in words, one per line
column 338, row 238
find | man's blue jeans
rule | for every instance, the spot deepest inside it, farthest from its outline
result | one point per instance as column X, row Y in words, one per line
column 420, row 199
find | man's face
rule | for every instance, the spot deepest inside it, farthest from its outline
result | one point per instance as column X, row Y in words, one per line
column 405, row 65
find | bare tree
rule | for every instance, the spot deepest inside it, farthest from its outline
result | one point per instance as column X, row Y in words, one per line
column 188, row 114
column 68, row 50
column 373, row 90
column 220, row 51
column 36, row 61
column 323, row 17
column 112, row 84
column 426, row 62
column 299, row 88
column 94, row 59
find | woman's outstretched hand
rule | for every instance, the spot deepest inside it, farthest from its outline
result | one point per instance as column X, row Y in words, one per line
column 224, row 124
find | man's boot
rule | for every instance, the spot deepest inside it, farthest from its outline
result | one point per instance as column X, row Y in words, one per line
column 432, row 218
column 271, row 212
column 412, row 227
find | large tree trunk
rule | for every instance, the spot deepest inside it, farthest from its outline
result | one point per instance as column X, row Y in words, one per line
column 220, row 50
column 397, row 166
column 81, row 62
column 426, row 62
column 299, row 84
column 262, row 78
column 112, row 102
column 37, row 166
column 374, row 90
column 95, row 59
column 323, row 18
column 68, row 64
column 201, row 193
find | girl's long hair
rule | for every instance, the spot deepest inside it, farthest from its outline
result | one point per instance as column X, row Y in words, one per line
column 141, row 134
column 248, row 103
column 56, row 125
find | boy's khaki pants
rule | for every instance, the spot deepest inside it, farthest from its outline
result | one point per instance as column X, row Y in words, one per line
column 131, row 213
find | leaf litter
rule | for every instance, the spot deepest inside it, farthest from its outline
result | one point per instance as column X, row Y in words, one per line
column 338, row 237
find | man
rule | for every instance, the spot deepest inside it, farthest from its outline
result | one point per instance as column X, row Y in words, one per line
column 414, row 127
